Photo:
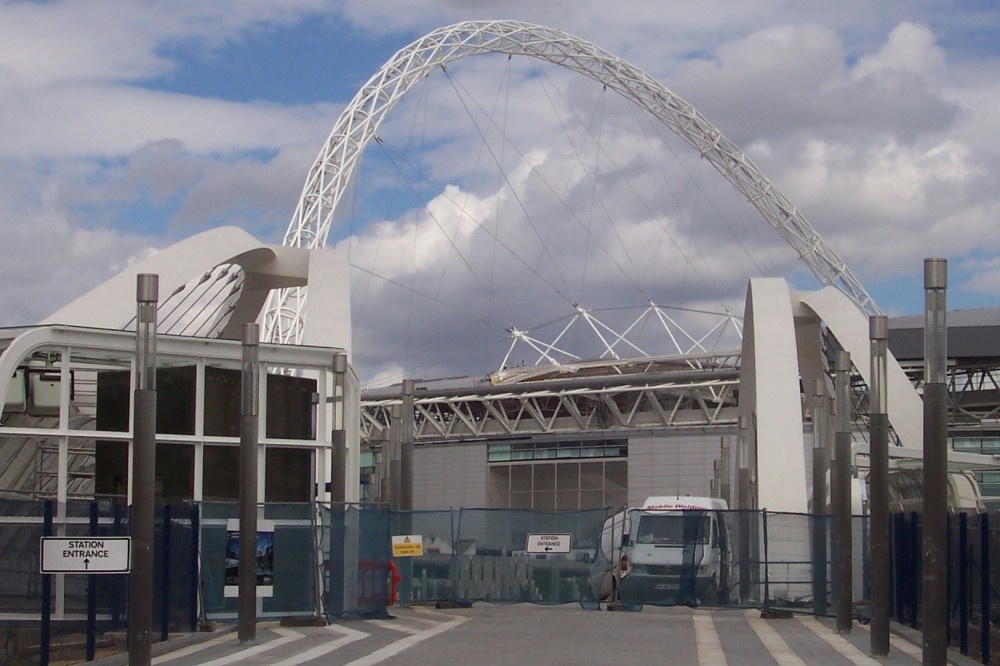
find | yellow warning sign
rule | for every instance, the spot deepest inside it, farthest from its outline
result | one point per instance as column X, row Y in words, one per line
column 407, row 545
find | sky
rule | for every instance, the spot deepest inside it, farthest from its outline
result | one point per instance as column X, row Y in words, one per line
column 126, row 126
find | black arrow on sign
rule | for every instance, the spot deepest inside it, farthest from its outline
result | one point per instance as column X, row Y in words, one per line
column 86, row 563
column 548, row 548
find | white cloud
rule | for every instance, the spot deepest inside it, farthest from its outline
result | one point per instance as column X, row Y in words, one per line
column 911, row 48
column 877, row 119
column 73, row 41
column 105, row 121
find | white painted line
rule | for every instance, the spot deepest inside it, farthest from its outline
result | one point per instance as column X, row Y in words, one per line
column 392, row 649
column 287, row 636
column 395, row 626
column 901, row 644
column 707, row 641
column 193, row 649
column 350, row 635
column 838, row 642
column 774, row 643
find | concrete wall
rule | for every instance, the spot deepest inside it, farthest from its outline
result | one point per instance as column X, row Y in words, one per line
column 449, row 475
column 682, row 464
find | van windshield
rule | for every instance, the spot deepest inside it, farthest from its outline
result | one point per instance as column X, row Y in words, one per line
column 678, row 529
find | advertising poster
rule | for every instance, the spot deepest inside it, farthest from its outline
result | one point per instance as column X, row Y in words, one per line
column 264, row 558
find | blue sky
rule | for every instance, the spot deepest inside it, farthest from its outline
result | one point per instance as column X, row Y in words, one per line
column 125, row 126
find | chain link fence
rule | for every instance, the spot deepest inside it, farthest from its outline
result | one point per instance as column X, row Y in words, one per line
column 338, row 562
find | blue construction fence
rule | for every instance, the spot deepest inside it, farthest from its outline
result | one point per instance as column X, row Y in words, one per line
column 973, row 579
column 314, row 560
column 77, row 616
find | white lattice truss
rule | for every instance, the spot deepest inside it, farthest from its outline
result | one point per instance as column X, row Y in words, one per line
column 665, row 392
column 553, row 357
column 358, row 124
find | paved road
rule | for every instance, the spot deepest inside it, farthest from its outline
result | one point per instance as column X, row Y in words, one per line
column 487, row 634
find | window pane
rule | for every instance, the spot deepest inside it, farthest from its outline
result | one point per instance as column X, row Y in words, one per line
column 616, row 474
column 592, row 476
column 544, row 501
column 520, row 478
column 499, row 490
column 222, row 473
column 545, row 477
column 568, row 476
column 520, row 500
column 592, row 499
column 567, row 499
column 289, row 475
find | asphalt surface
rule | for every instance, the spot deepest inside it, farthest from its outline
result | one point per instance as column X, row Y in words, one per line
column 557, row 635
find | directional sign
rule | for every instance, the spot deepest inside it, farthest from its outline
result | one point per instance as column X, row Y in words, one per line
column 407, row 545
column 87, row 555
column 549, row 543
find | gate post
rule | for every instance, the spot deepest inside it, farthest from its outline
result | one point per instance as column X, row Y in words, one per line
column 46, row 635
column 984, row 586
column 92, row 594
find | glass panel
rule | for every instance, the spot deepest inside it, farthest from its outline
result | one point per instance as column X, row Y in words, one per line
column 222, row 401
column 592, row 475
column 520, row 478
column 111, row 470
column 616, row 474
column 545, row 477
column 175, row 400
column 592, row 499
column 544, row 501
column 174, row 473
column 567, row 499
column 499, row 487
column 520, row 500
column 291, row 407
column 673, row 530
column 289, row 475
column 221, row 473
column 498, row 452
column 568, row 476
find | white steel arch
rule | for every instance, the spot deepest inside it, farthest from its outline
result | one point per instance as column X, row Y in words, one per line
column 334, row 166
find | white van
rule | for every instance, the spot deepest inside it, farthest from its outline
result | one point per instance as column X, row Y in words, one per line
column 673, row 550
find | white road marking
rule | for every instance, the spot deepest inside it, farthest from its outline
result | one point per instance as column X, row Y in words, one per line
column 837, row 642
column 184, row 652
column 774, row 643
column 392, row 649
column 286, row 636
column 350, row 635
column 395, row 626
column 707, row 641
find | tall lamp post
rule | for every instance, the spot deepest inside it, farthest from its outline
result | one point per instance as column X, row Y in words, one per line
column 842, row 493
column 140, row 592
column 935, row 562
column 879, row 482
column 249, row 411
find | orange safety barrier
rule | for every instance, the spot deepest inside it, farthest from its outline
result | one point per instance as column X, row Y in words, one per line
column 394, row 579
column 373, row 583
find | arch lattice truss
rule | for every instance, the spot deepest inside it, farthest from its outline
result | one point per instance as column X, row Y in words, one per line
column 329, row 176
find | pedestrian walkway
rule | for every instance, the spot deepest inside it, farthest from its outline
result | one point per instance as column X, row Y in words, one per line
column 525, row 633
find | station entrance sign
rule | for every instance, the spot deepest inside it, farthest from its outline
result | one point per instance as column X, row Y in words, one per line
column 548, row 543
column 86, row 555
